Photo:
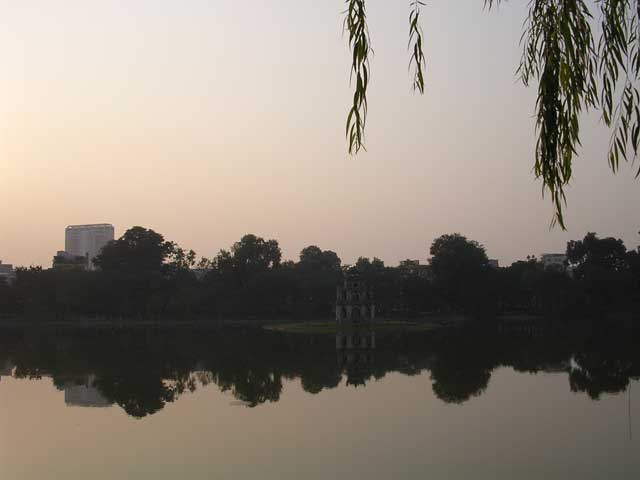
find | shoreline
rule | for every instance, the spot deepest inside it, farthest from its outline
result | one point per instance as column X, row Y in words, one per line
column 203, row 322
column 312, row 325
column 290, row 325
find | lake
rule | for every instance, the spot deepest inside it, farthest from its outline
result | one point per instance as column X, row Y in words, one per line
column 238, row 403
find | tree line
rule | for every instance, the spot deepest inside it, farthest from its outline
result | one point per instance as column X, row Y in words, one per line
column 143, row 275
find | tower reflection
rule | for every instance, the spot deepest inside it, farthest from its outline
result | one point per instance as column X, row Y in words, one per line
column 355, row 350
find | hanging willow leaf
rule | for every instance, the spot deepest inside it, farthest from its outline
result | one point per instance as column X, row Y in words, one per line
column 619, row 68
column 573, row 74
column 558, row 54
column 355, row 23
column 418, row 60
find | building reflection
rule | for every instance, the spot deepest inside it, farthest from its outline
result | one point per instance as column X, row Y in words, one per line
column 355, row 350
column 81, row 392
column 6, row 369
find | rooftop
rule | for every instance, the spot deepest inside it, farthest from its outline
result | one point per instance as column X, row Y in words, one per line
column 90, row 225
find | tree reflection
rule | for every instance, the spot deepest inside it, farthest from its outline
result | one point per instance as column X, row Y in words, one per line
column 255, row 386
column 604, row 366
column 141, row 371
column 139, row 395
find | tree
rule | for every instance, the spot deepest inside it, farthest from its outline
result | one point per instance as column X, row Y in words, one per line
column 134, row 271
column 518, row 283
column 238, row 273
column 574, row 73
column 591, row 252
column 318, row 273
column 139, row 250
column 248, row 257
column 633, row 260
column 368, row 268
column 452, row 255
column 314, row 258
column 459, row 267
column 601, row 266
column 184, row 260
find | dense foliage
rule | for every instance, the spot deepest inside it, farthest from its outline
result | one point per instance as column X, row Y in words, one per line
column 142, row 275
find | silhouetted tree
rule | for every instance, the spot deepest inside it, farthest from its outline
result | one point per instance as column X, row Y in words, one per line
column 605, row 253
column 317, row 274
column 138, row 251
column 519, row 283
column 144, row 273
column 314, row 258
column 601, row 266
column 249, row 256
column 460, row 267
column 633, row 260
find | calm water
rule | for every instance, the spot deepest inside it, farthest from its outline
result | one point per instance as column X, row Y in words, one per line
column 243, row 403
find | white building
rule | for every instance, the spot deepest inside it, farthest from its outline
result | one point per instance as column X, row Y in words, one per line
column 87, row 240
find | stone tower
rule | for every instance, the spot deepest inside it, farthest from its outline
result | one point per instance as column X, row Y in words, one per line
column 354, row 302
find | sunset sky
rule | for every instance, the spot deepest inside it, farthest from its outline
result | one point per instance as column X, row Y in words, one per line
column 209, row 119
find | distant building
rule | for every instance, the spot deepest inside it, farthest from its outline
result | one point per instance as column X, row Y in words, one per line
column 554, row 260
column 354, row 302
column 65, row 261
column 84, row 395
column 87, row 240
column 7, row 273
column 409, row 264
column 493, row 263
column 413, row 267
column 200, row 273
column 559, row 366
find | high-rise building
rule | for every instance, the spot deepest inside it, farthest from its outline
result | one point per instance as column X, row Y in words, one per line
column 87, row 240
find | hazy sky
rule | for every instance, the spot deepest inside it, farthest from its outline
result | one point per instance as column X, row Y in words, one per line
column 208, row 119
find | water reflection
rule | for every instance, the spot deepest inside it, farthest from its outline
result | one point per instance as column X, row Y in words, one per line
column 6, row 368
column 141, row 371
column 82, row 392
column 355, row 351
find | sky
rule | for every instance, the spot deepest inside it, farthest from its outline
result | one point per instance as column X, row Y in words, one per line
column 205, row 120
